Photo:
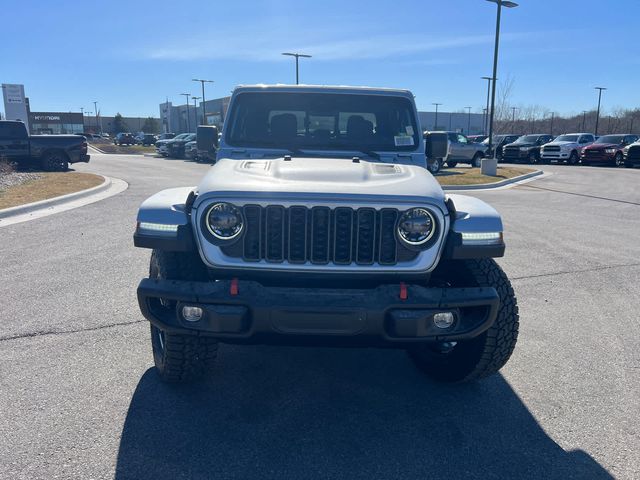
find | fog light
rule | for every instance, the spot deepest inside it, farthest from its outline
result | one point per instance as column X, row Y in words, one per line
column 443, row 319
column 191, row 314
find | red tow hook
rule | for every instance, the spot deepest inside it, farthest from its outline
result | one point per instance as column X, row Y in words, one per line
column 404, row 293
column 234, row 288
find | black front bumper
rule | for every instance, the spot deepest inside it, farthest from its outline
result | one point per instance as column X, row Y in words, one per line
column 318, row 316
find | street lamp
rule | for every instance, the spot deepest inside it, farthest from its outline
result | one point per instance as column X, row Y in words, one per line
column 204, row 105
column 600, row 89
column 195, row 109
column 486, row 117
column 187, row 95
column 95, row 107
column 435, row 126
column 500, row 4
column 297, row 56
column 469, row 120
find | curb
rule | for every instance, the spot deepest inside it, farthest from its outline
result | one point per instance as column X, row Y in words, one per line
column 50, row 202
column 96, row 148
column 489, row 186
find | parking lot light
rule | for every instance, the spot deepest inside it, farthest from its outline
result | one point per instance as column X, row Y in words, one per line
column 500, row 4
column 600, row 89
column 187, row 95
column 297, row 56
column 486, row 114
column 435, row 126
column 204, row 105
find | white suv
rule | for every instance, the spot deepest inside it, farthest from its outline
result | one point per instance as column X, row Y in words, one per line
column 567, row 147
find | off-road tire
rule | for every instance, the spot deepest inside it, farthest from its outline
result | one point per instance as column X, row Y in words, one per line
column 477, row 160
column 435, row 166
column 55, row 161
column 489, row 352
column 574, row 158
column 180, row 358
column 533, row 158
column 619, row 160
column 452, row 164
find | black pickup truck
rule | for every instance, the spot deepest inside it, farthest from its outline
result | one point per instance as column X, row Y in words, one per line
column 49, row 152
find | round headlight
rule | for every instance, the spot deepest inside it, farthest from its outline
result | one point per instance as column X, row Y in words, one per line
column 416, row 226
column 224, row 221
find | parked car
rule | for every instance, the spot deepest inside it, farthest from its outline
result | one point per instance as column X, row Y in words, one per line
column 327, row 233
column 176, row 146
column 166, row 136
column 161, row 145
column 608, row 149
column 632, row 155
column 461, row 150
column 148, row 139
column 566, row 148
column 477, row 138
column 525, row 148
column 499, row 141
column 49, row 152
column 124, row 139
column 191, row 150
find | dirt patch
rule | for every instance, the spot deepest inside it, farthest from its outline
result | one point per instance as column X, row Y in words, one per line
column 472, row 176
column 47, row 185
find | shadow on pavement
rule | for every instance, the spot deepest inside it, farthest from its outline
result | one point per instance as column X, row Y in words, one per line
column 270, row 412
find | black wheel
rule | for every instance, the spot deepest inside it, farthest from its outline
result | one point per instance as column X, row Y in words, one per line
column 619, row 159
column 435, row 166
column 452, row 164
column 574, row 159
column 477, row 160
column 533, row 158
column 55, row 162
column 489, row 352
column 179, row 358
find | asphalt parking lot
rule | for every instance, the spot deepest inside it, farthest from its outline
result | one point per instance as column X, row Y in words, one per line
column 79, row 398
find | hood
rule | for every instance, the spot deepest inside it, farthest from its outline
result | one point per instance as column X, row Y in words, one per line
column 602, row 146
column 561, row 144
column 320, row 176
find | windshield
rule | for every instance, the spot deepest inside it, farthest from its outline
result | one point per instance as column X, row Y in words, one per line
column 527, row 139
column 181, row 136
column 496, row 139
column 326, row 121
column 567, row 138
column 616, row 139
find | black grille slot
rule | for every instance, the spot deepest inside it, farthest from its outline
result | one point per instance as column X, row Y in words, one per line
column 320, row 217
column 343, row 235
column 387, row 251
column 320, row 235
column 366, row 227
column 297, row 234
column 274, row 233
column 252, row 244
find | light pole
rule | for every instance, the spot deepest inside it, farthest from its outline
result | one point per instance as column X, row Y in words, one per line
column 204, row 105
column 187, row 95
column 600, row 89
column 584, row 119
column 553, row 115
column 500, row 4
column 297, row 56
column 195, row 110
column 513, row 120
column 435, row 126
column 468, row 120
column 486, row 117
column 88, row 117
column 95, row 107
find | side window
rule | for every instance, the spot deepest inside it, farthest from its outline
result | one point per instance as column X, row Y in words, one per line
column 584, row 139
column 453, row 137
column 589, row 139
column 462, row 139
column 629, row 139
column 12, row 130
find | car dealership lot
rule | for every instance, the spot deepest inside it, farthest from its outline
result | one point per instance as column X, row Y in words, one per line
column 80, row 399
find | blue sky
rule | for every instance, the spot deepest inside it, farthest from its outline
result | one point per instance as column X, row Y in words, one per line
column 130, row 55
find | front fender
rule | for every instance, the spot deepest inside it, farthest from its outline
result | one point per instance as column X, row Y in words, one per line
column 476, row 229
column 163, row 221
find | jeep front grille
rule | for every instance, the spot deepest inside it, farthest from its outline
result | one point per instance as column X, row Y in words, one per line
column 320, row 235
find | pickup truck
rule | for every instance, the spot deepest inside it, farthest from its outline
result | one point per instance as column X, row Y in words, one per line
column 566, row 148
column 49, row 152
column 462, row 150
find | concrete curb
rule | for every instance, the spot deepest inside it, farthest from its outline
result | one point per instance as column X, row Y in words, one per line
column 97, row 149
column 50, row 202
column 489, row 186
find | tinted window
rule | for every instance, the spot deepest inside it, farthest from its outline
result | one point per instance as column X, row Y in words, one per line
column 12, row 130
column 462, row 139
column 323, row 121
